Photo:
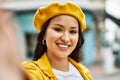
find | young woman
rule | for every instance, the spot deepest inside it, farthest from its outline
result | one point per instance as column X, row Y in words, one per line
column 60, row 38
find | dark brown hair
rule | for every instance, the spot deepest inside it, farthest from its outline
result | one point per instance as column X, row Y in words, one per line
column 41, row 49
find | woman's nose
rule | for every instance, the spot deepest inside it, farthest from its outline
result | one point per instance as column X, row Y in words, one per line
column 65, row 37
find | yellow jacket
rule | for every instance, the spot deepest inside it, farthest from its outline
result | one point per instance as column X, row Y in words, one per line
column 42, row 70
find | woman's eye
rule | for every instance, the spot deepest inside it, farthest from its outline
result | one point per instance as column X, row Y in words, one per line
column 73, row 32
column 58, row 29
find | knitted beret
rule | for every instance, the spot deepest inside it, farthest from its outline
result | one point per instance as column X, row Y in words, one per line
column 45, row 13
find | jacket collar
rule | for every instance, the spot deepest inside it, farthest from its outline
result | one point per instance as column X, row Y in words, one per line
column 82, row 69
column 45, row 66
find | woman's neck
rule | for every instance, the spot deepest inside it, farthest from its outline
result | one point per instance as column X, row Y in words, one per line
column 59, row 64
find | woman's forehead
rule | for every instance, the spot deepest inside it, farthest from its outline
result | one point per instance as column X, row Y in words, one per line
column 65, row 19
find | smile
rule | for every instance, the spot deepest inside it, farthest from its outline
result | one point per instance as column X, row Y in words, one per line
column 63, row 46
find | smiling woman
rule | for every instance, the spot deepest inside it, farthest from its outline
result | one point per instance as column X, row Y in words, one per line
column 60, row 38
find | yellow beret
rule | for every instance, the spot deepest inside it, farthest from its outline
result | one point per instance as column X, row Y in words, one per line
column 45, row 13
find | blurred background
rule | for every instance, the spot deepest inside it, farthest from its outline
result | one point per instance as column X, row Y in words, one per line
column 101, row 50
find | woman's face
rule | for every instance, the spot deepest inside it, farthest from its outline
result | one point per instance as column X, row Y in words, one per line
column 61, row 36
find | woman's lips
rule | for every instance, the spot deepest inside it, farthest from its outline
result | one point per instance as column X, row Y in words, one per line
column 63, row 46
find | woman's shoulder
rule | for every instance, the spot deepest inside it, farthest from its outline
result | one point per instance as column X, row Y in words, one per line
column 30, row 64
column 84, row 68
column 80, row 66
column 32, row 70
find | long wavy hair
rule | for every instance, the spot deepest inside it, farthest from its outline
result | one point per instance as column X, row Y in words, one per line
column 41, row 49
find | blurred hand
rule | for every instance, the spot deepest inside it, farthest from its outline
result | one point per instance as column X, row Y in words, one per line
column 9, row 53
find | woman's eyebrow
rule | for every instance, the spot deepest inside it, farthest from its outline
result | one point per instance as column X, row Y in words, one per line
column 72, row 27
column 59, row 25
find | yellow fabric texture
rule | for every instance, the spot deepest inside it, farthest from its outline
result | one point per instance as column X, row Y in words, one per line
column 41, row 69
column 43, row 14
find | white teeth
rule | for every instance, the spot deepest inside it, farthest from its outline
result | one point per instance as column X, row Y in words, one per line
column 64, row 46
